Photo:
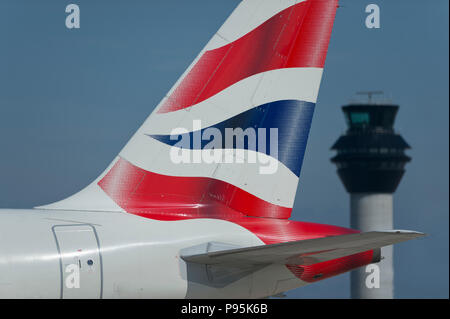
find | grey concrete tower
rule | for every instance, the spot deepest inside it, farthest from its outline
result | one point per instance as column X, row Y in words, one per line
column 370, row 162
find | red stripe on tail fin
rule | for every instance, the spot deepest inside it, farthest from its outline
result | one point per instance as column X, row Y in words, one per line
column 295, row 37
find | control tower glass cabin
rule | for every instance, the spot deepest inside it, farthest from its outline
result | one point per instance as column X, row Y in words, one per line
column 370, row 156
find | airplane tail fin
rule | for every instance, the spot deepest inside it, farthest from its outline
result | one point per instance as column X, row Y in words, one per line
column 230, row 136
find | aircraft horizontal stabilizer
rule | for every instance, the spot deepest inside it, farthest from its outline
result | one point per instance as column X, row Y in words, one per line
column 304, row 252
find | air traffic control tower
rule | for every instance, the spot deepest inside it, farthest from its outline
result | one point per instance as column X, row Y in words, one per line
column 370, row 162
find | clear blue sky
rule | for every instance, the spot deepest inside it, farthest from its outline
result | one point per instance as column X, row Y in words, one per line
column 70, row 100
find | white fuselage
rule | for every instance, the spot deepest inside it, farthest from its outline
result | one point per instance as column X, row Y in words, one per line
column 120, row 255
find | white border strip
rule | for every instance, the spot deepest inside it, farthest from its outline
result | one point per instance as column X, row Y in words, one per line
column 284, row 84
column 278, row 188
